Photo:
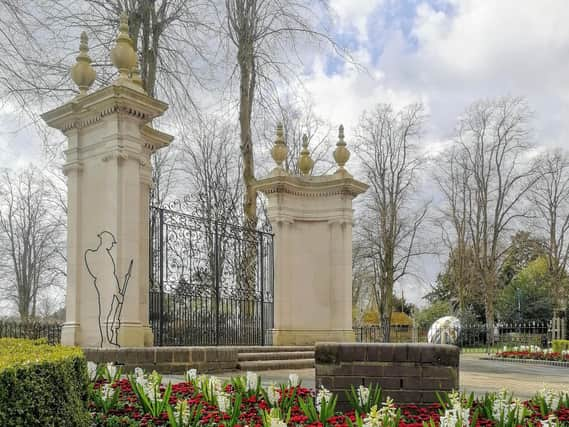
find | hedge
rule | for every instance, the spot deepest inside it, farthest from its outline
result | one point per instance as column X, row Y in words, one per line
column 560, row 345
column 42, row 385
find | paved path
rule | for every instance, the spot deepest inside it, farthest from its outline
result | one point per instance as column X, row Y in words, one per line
column 523, row 380
column 476, row 376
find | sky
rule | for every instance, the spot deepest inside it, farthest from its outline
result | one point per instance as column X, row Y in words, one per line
column 447, row 54
column 443, row 53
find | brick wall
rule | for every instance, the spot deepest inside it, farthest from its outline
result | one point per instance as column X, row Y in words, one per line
column 408, row 373
column 167, row 360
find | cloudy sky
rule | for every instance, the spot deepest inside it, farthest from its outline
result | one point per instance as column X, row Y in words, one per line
column 444, row 53
column 447, row 54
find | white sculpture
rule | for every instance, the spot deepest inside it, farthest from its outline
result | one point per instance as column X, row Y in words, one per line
column 444, row 331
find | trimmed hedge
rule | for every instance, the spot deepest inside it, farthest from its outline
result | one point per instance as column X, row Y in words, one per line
column 560, row 345
column 42, row 385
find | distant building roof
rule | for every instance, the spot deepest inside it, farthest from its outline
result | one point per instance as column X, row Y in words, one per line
column 398, row 318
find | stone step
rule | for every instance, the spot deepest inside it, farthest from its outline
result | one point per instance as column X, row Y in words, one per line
column 265, row 365
column 276, row 355
column 272, row 349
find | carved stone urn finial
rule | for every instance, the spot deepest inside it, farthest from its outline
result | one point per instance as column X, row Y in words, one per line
column 305, row 162
column 279, row 150
column 82, row 73
column 341, row 153
column 123, row 55
column 135, row 75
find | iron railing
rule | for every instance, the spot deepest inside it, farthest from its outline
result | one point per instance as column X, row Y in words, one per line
column 211, row 281
column 472, row 336
column 51, row 331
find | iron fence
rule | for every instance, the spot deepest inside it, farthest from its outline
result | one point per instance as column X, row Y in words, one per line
column 31, row 330
column 211, row 281
column 472, row 336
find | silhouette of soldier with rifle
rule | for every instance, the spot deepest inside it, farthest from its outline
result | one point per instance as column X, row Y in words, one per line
column 101, row 266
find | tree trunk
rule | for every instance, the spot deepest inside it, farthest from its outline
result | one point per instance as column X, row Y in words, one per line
column 490, row 282
column 386, row 304
column 247, row 88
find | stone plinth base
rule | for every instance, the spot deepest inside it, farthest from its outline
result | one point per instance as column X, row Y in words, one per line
column 70, row 334
column 408, row 373
column 311, row 336
column 167, row 360
column 130, row 335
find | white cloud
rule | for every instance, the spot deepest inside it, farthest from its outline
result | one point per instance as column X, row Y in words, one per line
column 451, row 56
column 354, row 13
column 341, row 98
column 476, row 49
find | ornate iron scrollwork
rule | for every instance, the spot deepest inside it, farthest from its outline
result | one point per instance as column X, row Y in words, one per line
column 211, row 278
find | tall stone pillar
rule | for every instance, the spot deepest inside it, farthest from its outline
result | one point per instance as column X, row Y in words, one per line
column 312, row 221
column 108, row 177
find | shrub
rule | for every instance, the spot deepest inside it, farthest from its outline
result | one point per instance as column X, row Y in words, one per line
column 560, row 345
column 41, row 384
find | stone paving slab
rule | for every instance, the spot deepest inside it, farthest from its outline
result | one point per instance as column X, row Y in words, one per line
column 476, row 375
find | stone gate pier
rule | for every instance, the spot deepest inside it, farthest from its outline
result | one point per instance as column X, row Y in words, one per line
column 312, row 222
column 108, row 178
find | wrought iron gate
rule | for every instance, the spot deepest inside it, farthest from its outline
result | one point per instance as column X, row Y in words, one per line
column 211, row 282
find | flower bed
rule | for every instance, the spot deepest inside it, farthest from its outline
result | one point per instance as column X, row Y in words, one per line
column 143, row 400
column 533, row 353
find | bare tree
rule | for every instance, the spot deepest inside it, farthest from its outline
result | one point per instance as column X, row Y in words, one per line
column 30, row 235
column 170, row 36
column 173, row 39
column 550, row 197
column 393, row 218
column 210, row 162
column 165, row 175
column 265, row 34
column 299, row 120
column 362, row 278
column 453, row 181
column 492, row 167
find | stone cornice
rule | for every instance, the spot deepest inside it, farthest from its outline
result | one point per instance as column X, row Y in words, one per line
column 317, row 186
column 155, row 139
column 90, row 109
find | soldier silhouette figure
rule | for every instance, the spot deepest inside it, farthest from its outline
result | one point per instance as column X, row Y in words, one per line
column 101, row 266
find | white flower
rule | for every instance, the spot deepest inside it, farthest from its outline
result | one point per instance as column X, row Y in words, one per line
column 107, row 391
column 273, row 394
column 388, row 409
column 373, row 419
column 138, row 372
column 518, row 409
column 276, row 422
column 363, row 395
column 150, row 391
column 454, row 398
column 111, row 369
column 182, row 412
column 191, row 375
column 293, row 380
column 324, row 395
column 202, row 381
column 499, row 407
column 223, row 402
column 92, row 370
column 550, row 397
column 155, row 378
column 215, row 384
column 550, row 422
column 252, row 381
